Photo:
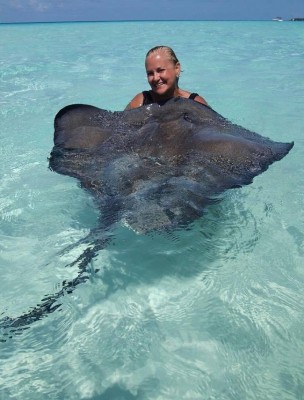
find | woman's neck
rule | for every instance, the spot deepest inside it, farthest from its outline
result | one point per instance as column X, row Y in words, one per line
column 166, row 96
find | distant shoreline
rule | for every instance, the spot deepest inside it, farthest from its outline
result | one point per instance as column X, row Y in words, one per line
column 147, row 20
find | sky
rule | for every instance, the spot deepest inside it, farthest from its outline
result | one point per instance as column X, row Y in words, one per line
column 119, row 10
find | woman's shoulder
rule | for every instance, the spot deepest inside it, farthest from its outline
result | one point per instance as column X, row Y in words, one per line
column 194, row 96
column 136, row 102
column 199, row 99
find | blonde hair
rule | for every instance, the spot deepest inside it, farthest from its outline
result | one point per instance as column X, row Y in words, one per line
column 172, row 56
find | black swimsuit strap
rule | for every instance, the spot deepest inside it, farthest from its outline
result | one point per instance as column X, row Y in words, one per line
column 193, row 96
column 147, row 98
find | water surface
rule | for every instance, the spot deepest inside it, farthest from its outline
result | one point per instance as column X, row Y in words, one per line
column 210, row 312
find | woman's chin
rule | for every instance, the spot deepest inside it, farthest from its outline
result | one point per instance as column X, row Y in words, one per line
column 161, row 92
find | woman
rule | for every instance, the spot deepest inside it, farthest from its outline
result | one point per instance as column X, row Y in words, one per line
column 163, row 71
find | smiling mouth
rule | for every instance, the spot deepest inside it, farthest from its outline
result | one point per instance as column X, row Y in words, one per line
column 159, row 84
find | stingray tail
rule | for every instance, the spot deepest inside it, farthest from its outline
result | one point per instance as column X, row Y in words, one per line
column 51, row 302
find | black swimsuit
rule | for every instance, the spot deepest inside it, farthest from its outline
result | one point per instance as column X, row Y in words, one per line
column 149, row 100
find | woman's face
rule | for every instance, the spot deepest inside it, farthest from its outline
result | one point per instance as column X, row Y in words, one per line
column 162, row 73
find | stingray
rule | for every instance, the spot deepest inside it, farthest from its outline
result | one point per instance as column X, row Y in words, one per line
column 153, row 168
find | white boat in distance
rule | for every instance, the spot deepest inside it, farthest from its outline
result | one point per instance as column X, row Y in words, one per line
column 278, row 19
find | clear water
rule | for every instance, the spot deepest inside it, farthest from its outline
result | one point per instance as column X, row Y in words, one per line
column 211, row 312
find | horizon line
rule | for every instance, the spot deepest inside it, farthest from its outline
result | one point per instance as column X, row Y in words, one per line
column 144, row 20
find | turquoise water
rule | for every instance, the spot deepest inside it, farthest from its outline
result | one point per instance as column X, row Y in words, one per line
column 211, row 312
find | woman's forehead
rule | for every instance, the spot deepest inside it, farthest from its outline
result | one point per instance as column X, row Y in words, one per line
column 158, row 57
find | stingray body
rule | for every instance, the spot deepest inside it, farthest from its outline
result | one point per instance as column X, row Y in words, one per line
column 157, row 167
column 152, row 168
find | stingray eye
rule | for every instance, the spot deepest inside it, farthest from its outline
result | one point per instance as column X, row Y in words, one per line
column 187, row 118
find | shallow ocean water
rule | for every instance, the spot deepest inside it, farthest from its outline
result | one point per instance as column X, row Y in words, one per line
column 214, row 311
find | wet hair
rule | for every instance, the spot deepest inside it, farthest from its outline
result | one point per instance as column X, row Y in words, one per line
column 171, row 55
